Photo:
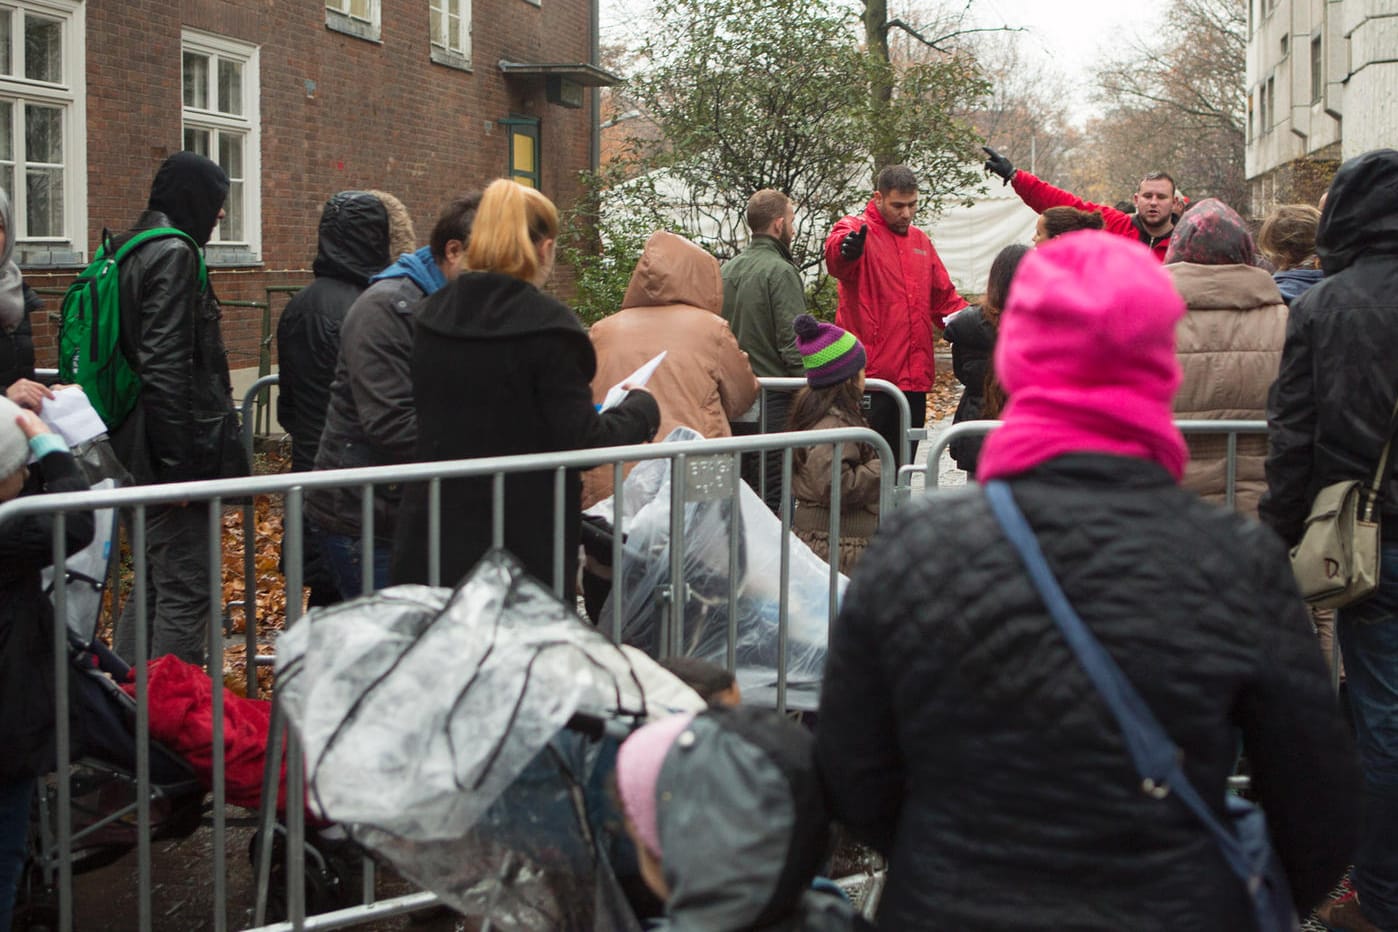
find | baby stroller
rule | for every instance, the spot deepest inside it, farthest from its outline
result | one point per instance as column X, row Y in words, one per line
column 103, row 787
column 482, row 779
column 730, row 575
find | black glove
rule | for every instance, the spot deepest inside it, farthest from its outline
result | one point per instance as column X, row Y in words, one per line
column 997, row 164
column 852, row 246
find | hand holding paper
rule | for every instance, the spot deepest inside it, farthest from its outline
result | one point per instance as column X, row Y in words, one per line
column 637, row 379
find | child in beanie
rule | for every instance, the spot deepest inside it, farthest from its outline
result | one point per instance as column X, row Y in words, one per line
column 26, row 625
column 833, row 397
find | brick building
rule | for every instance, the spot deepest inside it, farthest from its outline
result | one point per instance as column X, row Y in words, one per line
column 297, row 99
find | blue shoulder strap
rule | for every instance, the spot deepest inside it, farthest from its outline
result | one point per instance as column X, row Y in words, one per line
column 1155, row 756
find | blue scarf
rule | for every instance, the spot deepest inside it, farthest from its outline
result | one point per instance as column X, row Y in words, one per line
column 419, row 266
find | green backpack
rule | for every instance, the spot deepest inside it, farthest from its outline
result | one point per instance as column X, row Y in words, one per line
column 89, row 328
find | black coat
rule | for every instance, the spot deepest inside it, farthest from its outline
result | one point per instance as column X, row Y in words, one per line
column 1329, row 409
column 17, row 346
column 26, row 622
column 370, row 419
column 972, row 340
column 959, row 734
column 353, row 247
column 184, row 425
column 500, row 368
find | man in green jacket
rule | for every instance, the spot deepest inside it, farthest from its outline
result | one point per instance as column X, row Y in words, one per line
column 762, row 295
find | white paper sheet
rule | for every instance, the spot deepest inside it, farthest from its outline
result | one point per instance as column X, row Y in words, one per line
column 69, row 414
column 637, row 379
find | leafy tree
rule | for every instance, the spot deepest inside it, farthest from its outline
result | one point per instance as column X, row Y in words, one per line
column 751, row 94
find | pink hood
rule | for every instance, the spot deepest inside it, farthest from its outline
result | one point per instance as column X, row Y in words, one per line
column 1086, row 354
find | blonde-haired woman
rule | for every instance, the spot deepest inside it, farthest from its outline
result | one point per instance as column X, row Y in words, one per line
column 500, row 368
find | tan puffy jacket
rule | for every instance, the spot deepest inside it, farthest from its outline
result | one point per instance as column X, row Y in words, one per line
column 673, row 303
column 1229, row 345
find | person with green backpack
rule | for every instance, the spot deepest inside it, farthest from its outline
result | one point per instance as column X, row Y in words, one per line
column 172, row 419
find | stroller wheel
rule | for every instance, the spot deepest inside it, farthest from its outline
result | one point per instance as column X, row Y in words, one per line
column 328, row 878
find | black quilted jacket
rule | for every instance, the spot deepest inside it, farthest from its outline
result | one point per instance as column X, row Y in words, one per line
column 958, row 734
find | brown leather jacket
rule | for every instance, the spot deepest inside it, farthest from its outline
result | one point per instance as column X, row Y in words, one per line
column 1230, row 346
column 673, row 304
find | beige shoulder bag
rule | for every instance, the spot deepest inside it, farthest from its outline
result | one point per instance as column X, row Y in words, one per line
column 1337, row 561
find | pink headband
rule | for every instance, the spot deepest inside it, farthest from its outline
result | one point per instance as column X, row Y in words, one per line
column 638, row 764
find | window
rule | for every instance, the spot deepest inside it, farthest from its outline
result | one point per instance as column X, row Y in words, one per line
column 1262, row 109
column 451, row 32
column 1285, row 45
column 43, row 129
column 1271, row 105
column 357, row 17
column 221, row 122
column 1317, row 70
column 524, row 150
column 1252, row 129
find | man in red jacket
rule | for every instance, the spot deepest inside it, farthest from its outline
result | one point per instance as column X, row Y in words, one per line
column 893, row 289
column 1151, row 224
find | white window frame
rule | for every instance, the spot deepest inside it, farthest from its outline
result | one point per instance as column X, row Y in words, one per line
column 248, row 125
column 339, row 18
column 69, row 248
column 444, row 55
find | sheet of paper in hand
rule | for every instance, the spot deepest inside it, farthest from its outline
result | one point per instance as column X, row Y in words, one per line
column 637, row 379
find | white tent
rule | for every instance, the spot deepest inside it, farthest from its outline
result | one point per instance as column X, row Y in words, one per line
column 968, row 238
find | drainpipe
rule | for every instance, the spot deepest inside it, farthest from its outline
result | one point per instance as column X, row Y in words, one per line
column 594, row 54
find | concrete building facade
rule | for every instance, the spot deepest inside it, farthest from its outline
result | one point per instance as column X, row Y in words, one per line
column 1322, row 78
column 296, row 99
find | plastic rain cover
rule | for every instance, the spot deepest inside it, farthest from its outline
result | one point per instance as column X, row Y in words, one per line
column 645, row 577
column 432, row 727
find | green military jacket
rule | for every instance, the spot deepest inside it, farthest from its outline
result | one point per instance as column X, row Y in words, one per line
column 762, row 295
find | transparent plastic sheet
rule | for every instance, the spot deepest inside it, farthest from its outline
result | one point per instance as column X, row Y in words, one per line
column 709, row 514
column 432, row 725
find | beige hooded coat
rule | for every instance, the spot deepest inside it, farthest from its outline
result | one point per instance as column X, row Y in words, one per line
column 1229, row 345
column 673, row 304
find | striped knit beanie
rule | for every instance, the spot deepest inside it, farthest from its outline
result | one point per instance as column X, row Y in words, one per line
column 829, row 354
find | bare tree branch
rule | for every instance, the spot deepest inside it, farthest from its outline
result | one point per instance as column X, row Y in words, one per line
column 937, row 42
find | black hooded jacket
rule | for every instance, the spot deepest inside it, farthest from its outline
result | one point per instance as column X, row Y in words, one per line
column 499, row 368
column 1329, row 409
column 353, row 248
column 184, row 425
column 17, row 346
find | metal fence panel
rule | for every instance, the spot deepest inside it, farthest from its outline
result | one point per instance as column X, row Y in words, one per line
column 703, row 469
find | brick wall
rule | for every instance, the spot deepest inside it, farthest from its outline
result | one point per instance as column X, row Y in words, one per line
column 337, row 113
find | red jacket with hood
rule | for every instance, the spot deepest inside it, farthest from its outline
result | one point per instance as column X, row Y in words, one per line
column 1041, row 195
column 891, row 296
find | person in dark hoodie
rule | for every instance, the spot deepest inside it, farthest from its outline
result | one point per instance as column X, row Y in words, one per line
column 500, row 368
column 184, row 426
column 1328, row 415
column 371, row 419
column 360, row 232
column 730, row 826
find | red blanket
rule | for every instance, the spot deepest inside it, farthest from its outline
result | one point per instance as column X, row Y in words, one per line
column 181, row 717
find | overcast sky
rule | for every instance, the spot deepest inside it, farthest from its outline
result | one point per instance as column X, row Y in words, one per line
column 1071, row 34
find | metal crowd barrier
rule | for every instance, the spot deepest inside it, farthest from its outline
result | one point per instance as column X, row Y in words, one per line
column 701, row 468
column 931, row 477
column 876, row 386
